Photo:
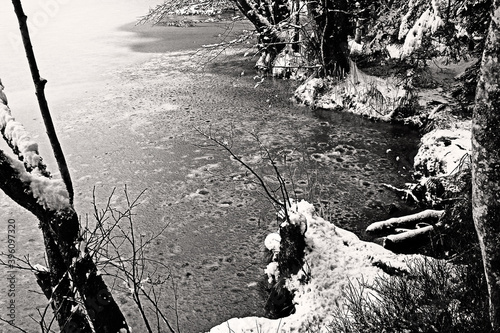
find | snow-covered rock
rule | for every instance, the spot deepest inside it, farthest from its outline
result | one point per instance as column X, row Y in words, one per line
column 307, row 92
column 442, row 150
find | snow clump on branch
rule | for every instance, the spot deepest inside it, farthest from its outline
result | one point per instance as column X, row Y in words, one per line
column 427, row 24
column 51, row 194
column 16, row 135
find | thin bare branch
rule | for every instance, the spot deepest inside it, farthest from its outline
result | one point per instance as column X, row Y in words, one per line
column 11, row 323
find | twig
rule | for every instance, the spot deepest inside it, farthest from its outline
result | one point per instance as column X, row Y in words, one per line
column 239, row 160
column 406, row 192
column 11, row 323
column 107, row 241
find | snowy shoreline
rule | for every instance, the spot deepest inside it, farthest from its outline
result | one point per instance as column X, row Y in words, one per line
column 445, row 138
column 337, row 257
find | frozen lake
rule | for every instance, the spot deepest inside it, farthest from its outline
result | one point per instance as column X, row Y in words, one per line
column 75, row 41
column 126, row 101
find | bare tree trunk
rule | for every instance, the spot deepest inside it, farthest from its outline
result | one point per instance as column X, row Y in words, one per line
column 296, row 30
column 53, row 225
column 331, row 29
column 68, row 269
column 486, row 164
column 266, row 16
column 359, row 30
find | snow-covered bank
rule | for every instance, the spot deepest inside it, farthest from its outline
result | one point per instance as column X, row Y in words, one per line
column 334, row 257
column 359, row 93
column 446, row 137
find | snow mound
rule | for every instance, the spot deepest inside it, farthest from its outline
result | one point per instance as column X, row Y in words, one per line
column 307, row 92
column 442, row 151
column 272, row 242
column 333, row 258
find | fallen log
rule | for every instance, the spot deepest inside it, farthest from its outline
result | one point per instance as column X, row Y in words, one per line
column 407, row 241
column 405, row 222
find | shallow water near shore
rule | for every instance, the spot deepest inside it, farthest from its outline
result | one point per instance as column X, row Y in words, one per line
column 137, row 127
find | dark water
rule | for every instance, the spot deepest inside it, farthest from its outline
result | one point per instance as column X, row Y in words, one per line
column 140, row 128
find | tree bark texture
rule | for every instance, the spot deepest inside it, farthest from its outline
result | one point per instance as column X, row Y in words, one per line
column 486, row 163
column 296, row 31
